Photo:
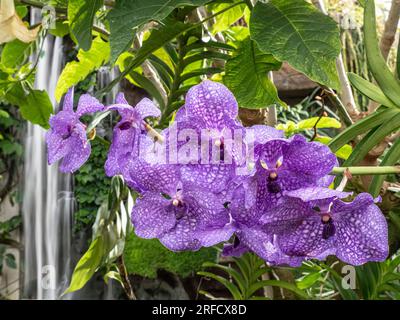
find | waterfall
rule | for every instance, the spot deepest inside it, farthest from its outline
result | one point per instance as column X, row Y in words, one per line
column 48, row 202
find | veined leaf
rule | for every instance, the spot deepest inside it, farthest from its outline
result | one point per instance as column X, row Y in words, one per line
column 88, row 61
column 36, row 107
column 127, row 15
column 284, row 29
column 246, row 75
column 370, row 90
column 80, row 15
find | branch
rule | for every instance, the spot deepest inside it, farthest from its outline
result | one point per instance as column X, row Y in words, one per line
column 362, row 171
column 389, row 32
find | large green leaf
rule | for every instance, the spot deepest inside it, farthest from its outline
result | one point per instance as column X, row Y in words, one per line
column 296, row 32
column 80, row 15
column 246, row 75
column 13, row 53
column 77, row 71
column 35, row 107
column 87, row 265
column 127, row 15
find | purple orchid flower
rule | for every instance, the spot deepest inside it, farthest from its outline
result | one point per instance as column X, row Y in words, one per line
column 287, row 164
column 315, row 223
column 126, row 135
column 211, row 109
column 250, row 235
column 181, row 218
column 66, row 138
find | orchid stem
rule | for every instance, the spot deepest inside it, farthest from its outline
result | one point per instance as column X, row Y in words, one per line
column 360, row 171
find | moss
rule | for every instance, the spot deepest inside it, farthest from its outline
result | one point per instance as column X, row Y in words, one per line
column 144, row 257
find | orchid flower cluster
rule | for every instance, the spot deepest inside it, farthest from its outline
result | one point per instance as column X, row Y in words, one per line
column 260, row 191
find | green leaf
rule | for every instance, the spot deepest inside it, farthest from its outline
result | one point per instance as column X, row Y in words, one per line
column 308, row 281
column 343, row 152
column 370, row 90
column 36, row 107
column 278, row 283
column 10, row 261
column 80, row 15
column 13, row 53
column 87, row 265
column 128, row 15
column 61, row 30
column 246, row 75
column 227, row 18
column 226, row 283
column 362, row 126
column 390, row 159
column 372, row 139
column 296, row 32
column 77, row 71
column 376, row 63
column 320, row 123
column 157, row 39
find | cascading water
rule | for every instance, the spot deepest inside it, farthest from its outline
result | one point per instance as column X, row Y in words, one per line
column 48, row 202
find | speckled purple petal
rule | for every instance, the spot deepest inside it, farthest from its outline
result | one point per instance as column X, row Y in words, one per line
column 213, row 177
column 210, row 101
column 57, row 147
column 361, row 231
column 154, row 177
column 68, row 103
column 151, row 217
column 88, row 104
column 285, row 217
column 79, row 151
column 260, row 134
column 316, row 193
column 146, row 108
column 263, row 244
column 120, row 99
column 305, row 239
column 270, row 152
column 63, row 122
column 310, row 158
column 232, row 250
column 244, row 210
column 124, row 146
column 188, row 236
column 206, row 223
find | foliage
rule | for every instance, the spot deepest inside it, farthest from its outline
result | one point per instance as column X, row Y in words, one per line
column 88, row 61
column 91, row 186
column 110, row 229
column 167, row 48
column 145, row 257
column 6, row 227
column 281, row 27
column 246, row 273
